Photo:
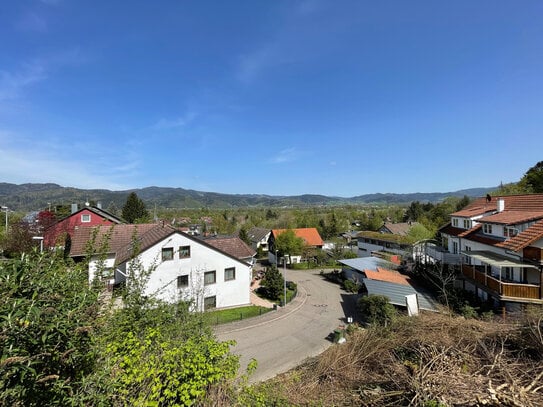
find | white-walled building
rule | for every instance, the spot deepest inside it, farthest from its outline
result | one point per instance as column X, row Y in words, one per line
column 180, row 267
column 498, row 242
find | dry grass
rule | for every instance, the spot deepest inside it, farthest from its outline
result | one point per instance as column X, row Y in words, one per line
column 424, row 361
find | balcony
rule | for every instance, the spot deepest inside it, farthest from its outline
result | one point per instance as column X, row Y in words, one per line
column 504, row 289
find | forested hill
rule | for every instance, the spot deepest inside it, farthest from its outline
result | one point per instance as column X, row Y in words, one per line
column 36, row 196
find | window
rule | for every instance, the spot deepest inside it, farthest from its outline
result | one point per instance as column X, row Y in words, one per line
column 509, row 232
column 167, row 253
column 487, row 229
column 455, row 247
column 85, row 218
column 210, row 302
column 230, row 274
column 508, row 275
column 210, row 277
column 467, row 223
column 468, row 259
column 455, row 222
column 182, row 281
column 184, row 252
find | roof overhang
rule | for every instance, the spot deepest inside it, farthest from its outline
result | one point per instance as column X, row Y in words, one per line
column 495, row 259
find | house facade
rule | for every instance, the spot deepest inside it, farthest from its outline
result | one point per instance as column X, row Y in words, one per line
column 391, row 238
column 497, row 243
column 259, row 238
column 61, row 232
column 178, row 266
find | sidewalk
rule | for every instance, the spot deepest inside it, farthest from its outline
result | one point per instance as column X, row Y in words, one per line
column 255, row 299
column 280, row 313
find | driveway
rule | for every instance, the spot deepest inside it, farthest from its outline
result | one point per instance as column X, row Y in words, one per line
column 282, row 339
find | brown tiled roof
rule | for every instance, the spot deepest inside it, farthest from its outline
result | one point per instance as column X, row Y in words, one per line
column 146, row 239
column 387, row 275
column 108, row 239
column 234, row 246
column 451, row 230
column 120, row 240
column 522, row 203
column 468, row 232
column 523, row 239
column 310, row 236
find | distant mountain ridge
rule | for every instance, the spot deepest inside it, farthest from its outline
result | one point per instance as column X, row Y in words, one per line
column 38, row 196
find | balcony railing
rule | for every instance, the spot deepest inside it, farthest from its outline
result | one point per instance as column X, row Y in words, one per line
column 505, row 289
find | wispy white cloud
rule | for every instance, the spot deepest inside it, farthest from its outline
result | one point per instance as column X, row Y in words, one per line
column 33, row 71
column 251, row 64
column 286, row 155
column 178, row 122
column 12, row 83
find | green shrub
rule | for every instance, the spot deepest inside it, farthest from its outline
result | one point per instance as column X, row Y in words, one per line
column 376, row 309
column 351, row 286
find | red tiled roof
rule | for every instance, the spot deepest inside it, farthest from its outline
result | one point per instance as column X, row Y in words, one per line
column 310, row 236
column 468, row 232
column 387, row 275
column 232, row 245
column 523, row 239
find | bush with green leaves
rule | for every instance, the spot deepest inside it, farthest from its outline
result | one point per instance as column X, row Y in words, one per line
column 47, row 323
column 350, row 286
column 376, row 309
column 155, row 369
column 274, row 283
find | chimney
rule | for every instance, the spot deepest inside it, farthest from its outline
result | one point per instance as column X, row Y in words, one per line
column 501, row 205
column 99, row 204
column 74, row 208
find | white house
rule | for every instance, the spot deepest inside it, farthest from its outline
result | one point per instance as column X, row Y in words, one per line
column 259, row 238
column 498, row 242
column 181, row 267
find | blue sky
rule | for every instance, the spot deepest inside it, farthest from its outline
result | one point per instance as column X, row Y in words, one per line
column 277, row 97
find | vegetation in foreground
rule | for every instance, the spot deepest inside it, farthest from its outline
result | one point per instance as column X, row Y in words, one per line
column 61, row 345
column 430, row 360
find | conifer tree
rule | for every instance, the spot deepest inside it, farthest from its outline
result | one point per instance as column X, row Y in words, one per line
column 134, row 210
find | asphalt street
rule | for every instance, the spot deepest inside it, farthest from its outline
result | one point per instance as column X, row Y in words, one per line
column 282, row 339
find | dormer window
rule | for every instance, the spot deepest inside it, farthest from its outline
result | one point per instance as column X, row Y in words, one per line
column 467, row 223
column 455, row 222
column 487, row 229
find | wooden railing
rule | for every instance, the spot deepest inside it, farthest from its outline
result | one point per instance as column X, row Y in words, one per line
column 515, row 290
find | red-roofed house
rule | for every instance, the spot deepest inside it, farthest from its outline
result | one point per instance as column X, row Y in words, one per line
column 498, row 243
column 182, row 267
column 61, row 232
column 310, row 236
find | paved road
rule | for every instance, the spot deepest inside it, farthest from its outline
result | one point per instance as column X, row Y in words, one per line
column 282, row 339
